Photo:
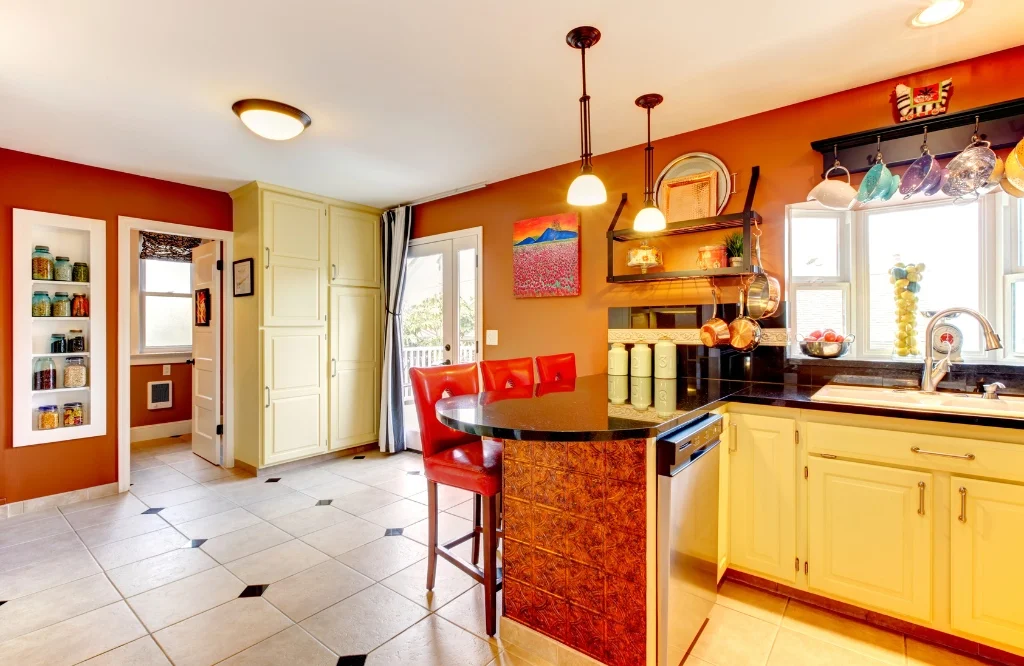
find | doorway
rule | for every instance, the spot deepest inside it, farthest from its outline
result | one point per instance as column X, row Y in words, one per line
column 442, row 310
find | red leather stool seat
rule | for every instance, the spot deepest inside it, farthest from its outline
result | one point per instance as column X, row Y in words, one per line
column 475, row 467
column 510, row 373
column 556, row 367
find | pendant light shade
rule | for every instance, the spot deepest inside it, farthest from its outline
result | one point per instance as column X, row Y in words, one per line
column 650, row 217
column 587, row 189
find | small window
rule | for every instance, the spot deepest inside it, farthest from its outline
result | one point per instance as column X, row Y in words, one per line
column 165, row 306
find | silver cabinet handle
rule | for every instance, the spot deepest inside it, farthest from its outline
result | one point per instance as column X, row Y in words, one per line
column 965, row 456
column 334, row 271
column 267, row 389
column 266, row 264
column 963, row 505
column 334, row 367
column 920, row 498
column 732, row 438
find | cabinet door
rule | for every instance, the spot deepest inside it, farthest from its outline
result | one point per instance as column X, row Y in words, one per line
column 355, row 247
column 763, row 495
column 987, row 533
column 294, row 393
column 355, row 365
column 294, row 261
column 869, row 535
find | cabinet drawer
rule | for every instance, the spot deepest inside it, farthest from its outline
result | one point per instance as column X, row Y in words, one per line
column 952, row 454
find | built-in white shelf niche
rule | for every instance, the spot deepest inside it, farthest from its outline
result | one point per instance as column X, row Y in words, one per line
column 79, row 239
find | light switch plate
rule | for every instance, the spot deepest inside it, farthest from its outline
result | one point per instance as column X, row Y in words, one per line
column 492, row 337
column 167, row 371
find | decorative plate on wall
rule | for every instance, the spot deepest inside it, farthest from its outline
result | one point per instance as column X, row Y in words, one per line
column 692, row 164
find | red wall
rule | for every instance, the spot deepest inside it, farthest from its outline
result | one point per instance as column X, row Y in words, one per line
column 40, row 183
column 778, row 141
column 181, row 394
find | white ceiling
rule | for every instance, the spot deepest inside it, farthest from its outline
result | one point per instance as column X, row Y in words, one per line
column 414, row 97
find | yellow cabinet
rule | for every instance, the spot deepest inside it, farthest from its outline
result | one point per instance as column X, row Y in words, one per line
column 294, row 393
column 869, row 535
column 762, row 490
column 987, row 579
column 355, row 365
column 295, row 252
column 355, row 247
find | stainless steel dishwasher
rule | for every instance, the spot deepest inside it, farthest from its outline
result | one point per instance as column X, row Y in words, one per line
column 687, row 545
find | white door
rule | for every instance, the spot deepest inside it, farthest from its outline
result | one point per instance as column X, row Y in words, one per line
column 206, row 314
column 441, row 311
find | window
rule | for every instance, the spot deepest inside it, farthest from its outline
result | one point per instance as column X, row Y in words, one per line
column 165, row 306
column 839, row 272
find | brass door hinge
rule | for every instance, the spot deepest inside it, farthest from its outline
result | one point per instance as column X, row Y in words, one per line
column 805, row 471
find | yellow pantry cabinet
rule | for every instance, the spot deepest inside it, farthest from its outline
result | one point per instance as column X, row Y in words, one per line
column 307, row 355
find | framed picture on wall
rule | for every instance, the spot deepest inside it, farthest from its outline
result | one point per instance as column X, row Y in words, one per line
column 242, row 277
column 202, row 307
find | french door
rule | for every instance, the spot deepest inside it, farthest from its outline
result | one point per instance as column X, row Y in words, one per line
column 441, row 310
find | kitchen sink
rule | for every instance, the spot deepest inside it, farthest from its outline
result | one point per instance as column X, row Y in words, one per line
column 952, row 403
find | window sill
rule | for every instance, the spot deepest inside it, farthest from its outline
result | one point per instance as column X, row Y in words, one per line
column 160, row 358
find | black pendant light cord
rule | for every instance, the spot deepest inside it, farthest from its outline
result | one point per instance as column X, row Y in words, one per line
column 585, row 153
column 649, row 165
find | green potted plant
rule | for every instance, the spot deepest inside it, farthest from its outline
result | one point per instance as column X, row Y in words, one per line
column 734, row 248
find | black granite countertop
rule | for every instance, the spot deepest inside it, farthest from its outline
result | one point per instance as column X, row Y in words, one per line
column 582, row 409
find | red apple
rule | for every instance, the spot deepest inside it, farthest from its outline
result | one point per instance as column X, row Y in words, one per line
column 829, row 335
column 814, row 335
column 840, row 338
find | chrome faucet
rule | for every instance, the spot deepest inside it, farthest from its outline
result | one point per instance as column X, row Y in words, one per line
column 934, row 372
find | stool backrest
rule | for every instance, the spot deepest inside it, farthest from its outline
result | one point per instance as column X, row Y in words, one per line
column 556, row 367
column 430, row 385
column 509, row 373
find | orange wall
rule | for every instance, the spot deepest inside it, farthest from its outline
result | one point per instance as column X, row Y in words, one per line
column 181, row 394
column 40, row 183
column 778, row 141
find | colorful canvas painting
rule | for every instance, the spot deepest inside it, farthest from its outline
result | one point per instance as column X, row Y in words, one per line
column 546, row 256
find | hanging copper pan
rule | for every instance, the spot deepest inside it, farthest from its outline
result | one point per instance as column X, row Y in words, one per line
column 744, row 332
column 715, row 331
column 763, row 291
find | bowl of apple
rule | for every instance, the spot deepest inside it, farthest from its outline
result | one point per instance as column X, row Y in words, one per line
column 826, row 344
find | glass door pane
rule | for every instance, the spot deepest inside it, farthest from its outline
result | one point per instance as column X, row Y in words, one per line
column 468, row 286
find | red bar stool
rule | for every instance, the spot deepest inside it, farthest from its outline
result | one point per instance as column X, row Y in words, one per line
column 556, row 367
column 460, row 460
column 510, row 373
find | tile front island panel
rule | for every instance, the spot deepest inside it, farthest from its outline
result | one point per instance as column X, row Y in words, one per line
column 575, row 549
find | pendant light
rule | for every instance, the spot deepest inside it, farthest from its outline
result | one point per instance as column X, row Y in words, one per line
column 587, row 189
column 650, row 217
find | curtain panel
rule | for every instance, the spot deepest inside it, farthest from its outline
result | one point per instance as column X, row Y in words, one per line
column 169, row 247
column 396, row 230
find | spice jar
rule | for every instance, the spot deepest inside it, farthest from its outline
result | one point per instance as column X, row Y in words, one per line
column 74, row 372
column 47, row 418
column 62, row 269
column 60, row 306
column 73, row 414
column 40, row 304
column 76, row 341
column 58, row 343
column 80, row 306
column 44, row 374
column 80, row 272
column 42, row 263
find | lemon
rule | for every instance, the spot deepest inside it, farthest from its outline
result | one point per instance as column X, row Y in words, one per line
column 919, row 268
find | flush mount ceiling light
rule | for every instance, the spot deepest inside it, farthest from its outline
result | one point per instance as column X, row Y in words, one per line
column 650, row 217
column 587, row 189
column 939, row 11
column 271, row 120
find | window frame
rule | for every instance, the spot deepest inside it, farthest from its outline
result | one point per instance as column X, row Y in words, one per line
column 149, row 349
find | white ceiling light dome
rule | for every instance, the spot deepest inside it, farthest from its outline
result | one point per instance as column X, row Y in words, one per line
column 271, row 120
column 939, row 11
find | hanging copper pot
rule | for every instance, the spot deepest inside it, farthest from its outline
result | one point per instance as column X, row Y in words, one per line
column 715, row 330
column 763, row 291
column 744, row 332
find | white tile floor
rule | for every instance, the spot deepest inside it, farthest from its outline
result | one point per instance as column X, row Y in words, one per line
column 241, row 570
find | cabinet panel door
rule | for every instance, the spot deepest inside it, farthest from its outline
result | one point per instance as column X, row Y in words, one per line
column 355, row 365
column 294, row 261
column 763, row 495
column 987, row 578
column 294, row 393
column 869, row 535
column 355, row 247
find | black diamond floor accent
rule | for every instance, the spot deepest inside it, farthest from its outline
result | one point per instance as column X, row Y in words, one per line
column 152, row 510
column 195, row 543
column 253, row 591
column 352, row 660
column 273, row 480
column 359, row 458
column 414, row 472
column 393, row 531
column 326, row 502
column 2, row 603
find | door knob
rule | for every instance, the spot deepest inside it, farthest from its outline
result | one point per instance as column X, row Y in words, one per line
column 449, row 348
column 191, row 361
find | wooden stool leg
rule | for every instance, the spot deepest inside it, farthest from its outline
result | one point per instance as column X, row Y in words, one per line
column 490, row 562
column 477, row 502
column 431, row 533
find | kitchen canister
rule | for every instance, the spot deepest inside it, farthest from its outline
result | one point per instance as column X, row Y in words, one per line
column 665, row 360
column 618, row 389
column 640, row 360
column 618, row 359
column 640, row 392
column 665, row 397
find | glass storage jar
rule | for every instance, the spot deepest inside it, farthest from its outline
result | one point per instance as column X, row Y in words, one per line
column 62, row 269
column 73, row 414
column 58, row 343
column 80, row 306
column 46, row 417
column 80, row 272
column 76, row 341
column 74, row 372
column 60, row 305
column 42, row 263
column 44, row 374
column 40, row 304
